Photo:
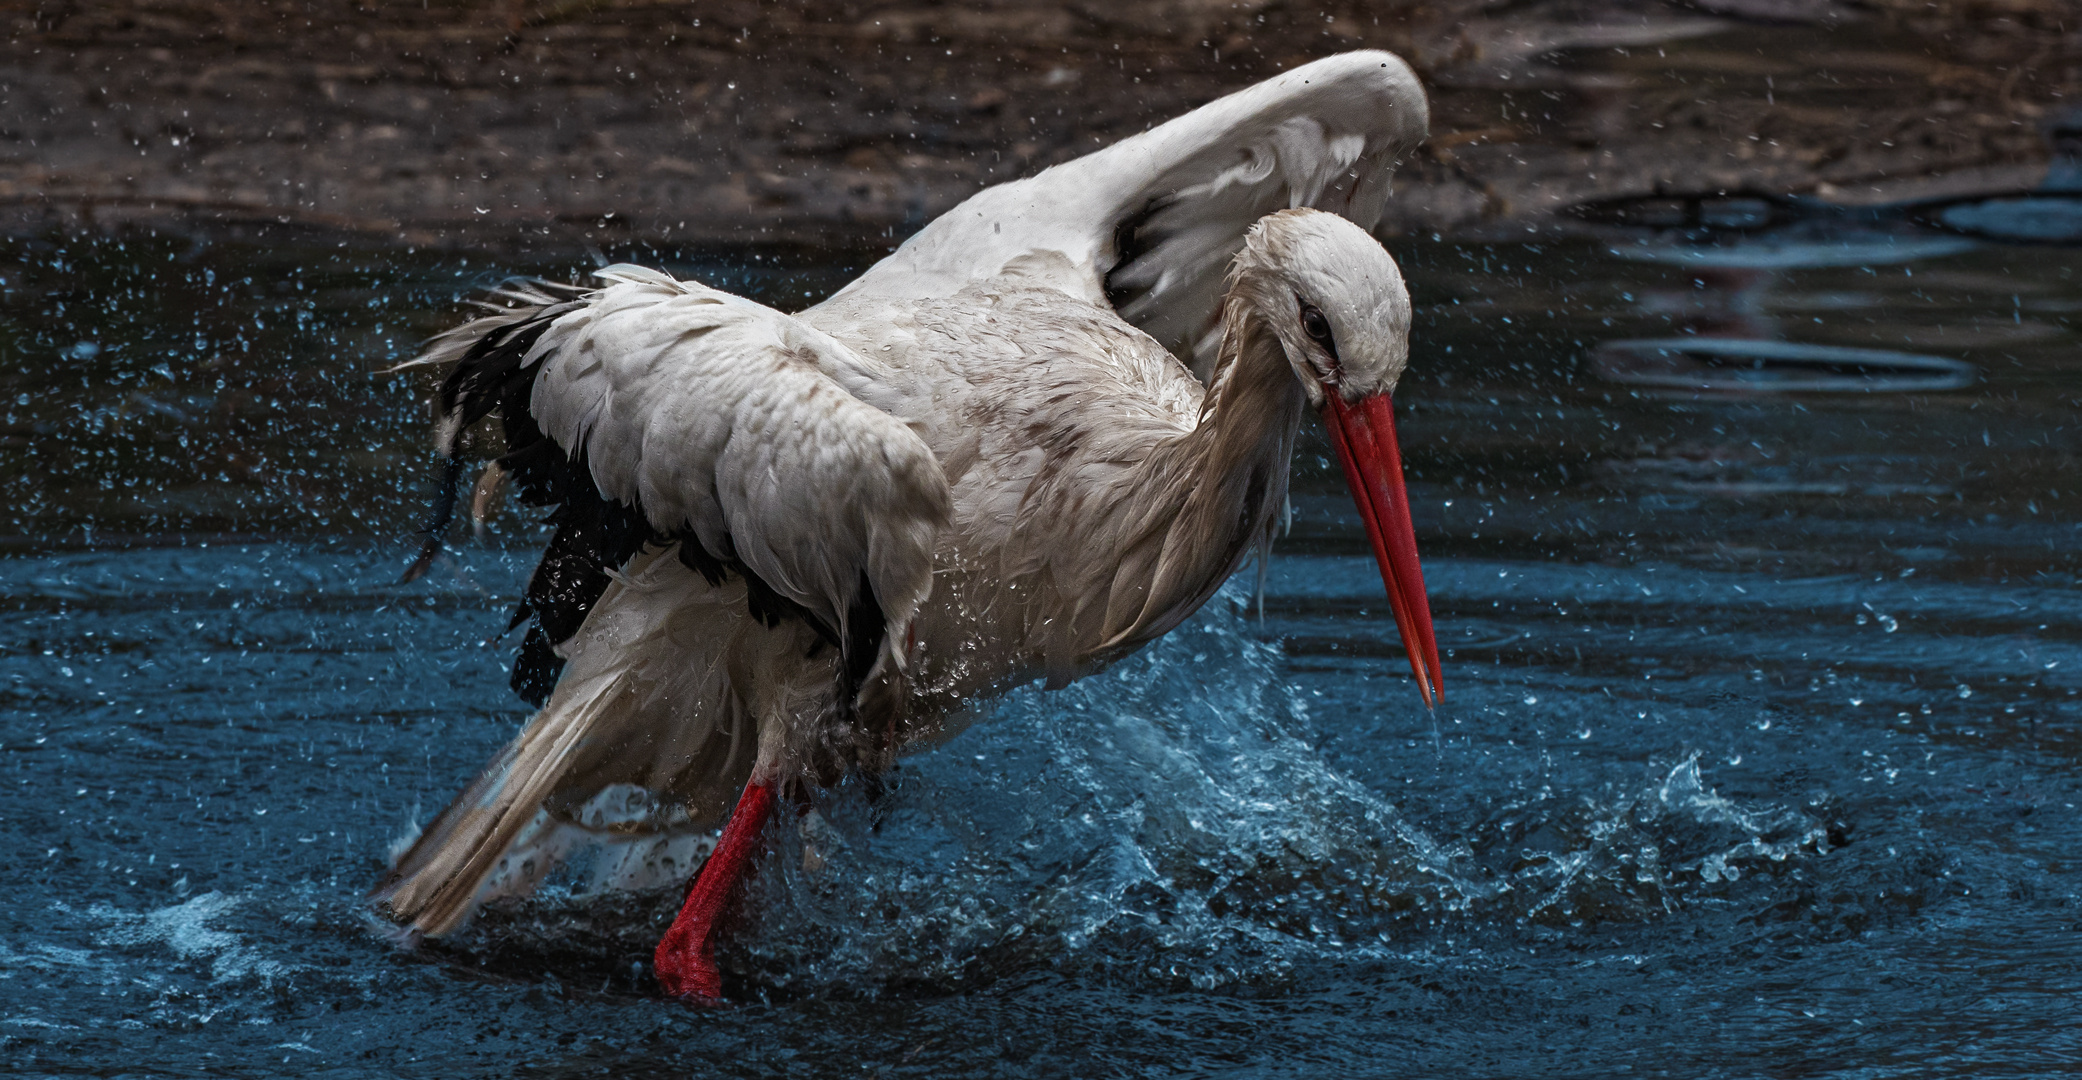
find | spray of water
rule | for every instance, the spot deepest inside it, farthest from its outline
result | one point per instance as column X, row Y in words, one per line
column 1171, row 821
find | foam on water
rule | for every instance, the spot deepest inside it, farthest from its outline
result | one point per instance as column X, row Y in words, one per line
column 185, row 930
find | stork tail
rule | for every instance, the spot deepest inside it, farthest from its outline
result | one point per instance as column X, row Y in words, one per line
column 437, row 882
column 488, row 368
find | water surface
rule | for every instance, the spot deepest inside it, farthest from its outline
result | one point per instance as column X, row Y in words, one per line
column 1758, row 755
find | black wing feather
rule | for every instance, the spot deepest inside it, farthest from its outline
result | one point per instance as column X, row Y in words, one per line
column 594, row 534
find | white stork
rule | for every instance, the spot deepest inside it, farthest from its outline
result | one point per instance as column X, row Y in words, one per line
column 1033, row 439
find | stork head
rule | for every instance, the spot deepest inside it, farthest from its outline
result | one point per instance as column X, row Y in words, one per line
column 1334, row 298
column 1336, row 302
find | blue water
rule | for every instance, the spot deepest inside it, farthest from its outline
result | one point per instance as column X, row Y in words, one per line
column 1758, row 758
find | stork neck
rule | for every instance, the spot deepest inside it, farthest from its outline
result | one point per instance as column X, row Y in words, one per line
column 1254, row 404
column 1244, row 444
column 1214, row 491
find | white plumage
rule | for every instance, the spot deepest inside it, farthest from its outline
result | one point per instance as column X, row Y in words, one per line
column 722, row 416
column 1325, row 135
column 990, row 447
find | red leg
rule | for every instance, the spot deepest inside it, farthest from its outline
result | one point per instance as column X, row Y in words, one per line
column 685, row 964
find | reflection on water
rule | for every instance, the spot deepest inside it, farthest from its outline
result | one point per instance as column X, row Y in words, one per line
column 1518, row 447
column 2050, row 215
column 2036, row 219
column 1733, row 253
column 1758, row 753
column 1752, row 366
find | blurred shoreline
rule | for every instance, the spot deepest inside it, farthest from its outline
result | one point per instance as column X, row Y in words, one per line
column 520, row 126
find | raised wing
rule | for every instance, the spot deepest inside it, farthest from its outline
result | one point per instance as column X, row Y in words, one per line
column 1152, row 222
column 654, row 411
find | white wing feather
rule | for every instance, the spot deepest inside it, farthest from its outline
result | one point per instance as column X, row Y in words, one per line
column 1325, row 135
column 719, row 417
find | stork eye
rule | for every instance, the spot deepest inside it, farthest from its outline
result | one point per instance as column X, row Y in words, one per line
column 1318, row 329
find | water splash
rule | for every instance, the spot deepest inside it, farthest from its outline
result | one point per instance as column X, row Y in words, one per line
column 1172, row 821
column 1169, row 823
column 184, row 929
column 1169, row 818
column 1638, row 855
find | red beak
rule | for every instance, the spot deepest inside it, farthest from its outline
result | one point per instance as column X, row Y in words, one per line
column 1364, row 436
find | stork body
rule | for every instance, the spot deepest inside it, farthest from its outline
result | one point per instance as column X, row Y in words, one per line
column 1036, row 437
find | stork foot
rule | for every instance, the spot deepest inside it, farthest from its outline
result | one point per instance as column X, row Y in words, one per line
column 687, row 968
column 685, row 960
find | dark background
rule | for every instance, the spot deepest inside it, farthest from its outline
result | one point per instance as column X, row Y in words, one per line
column 511, row 124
